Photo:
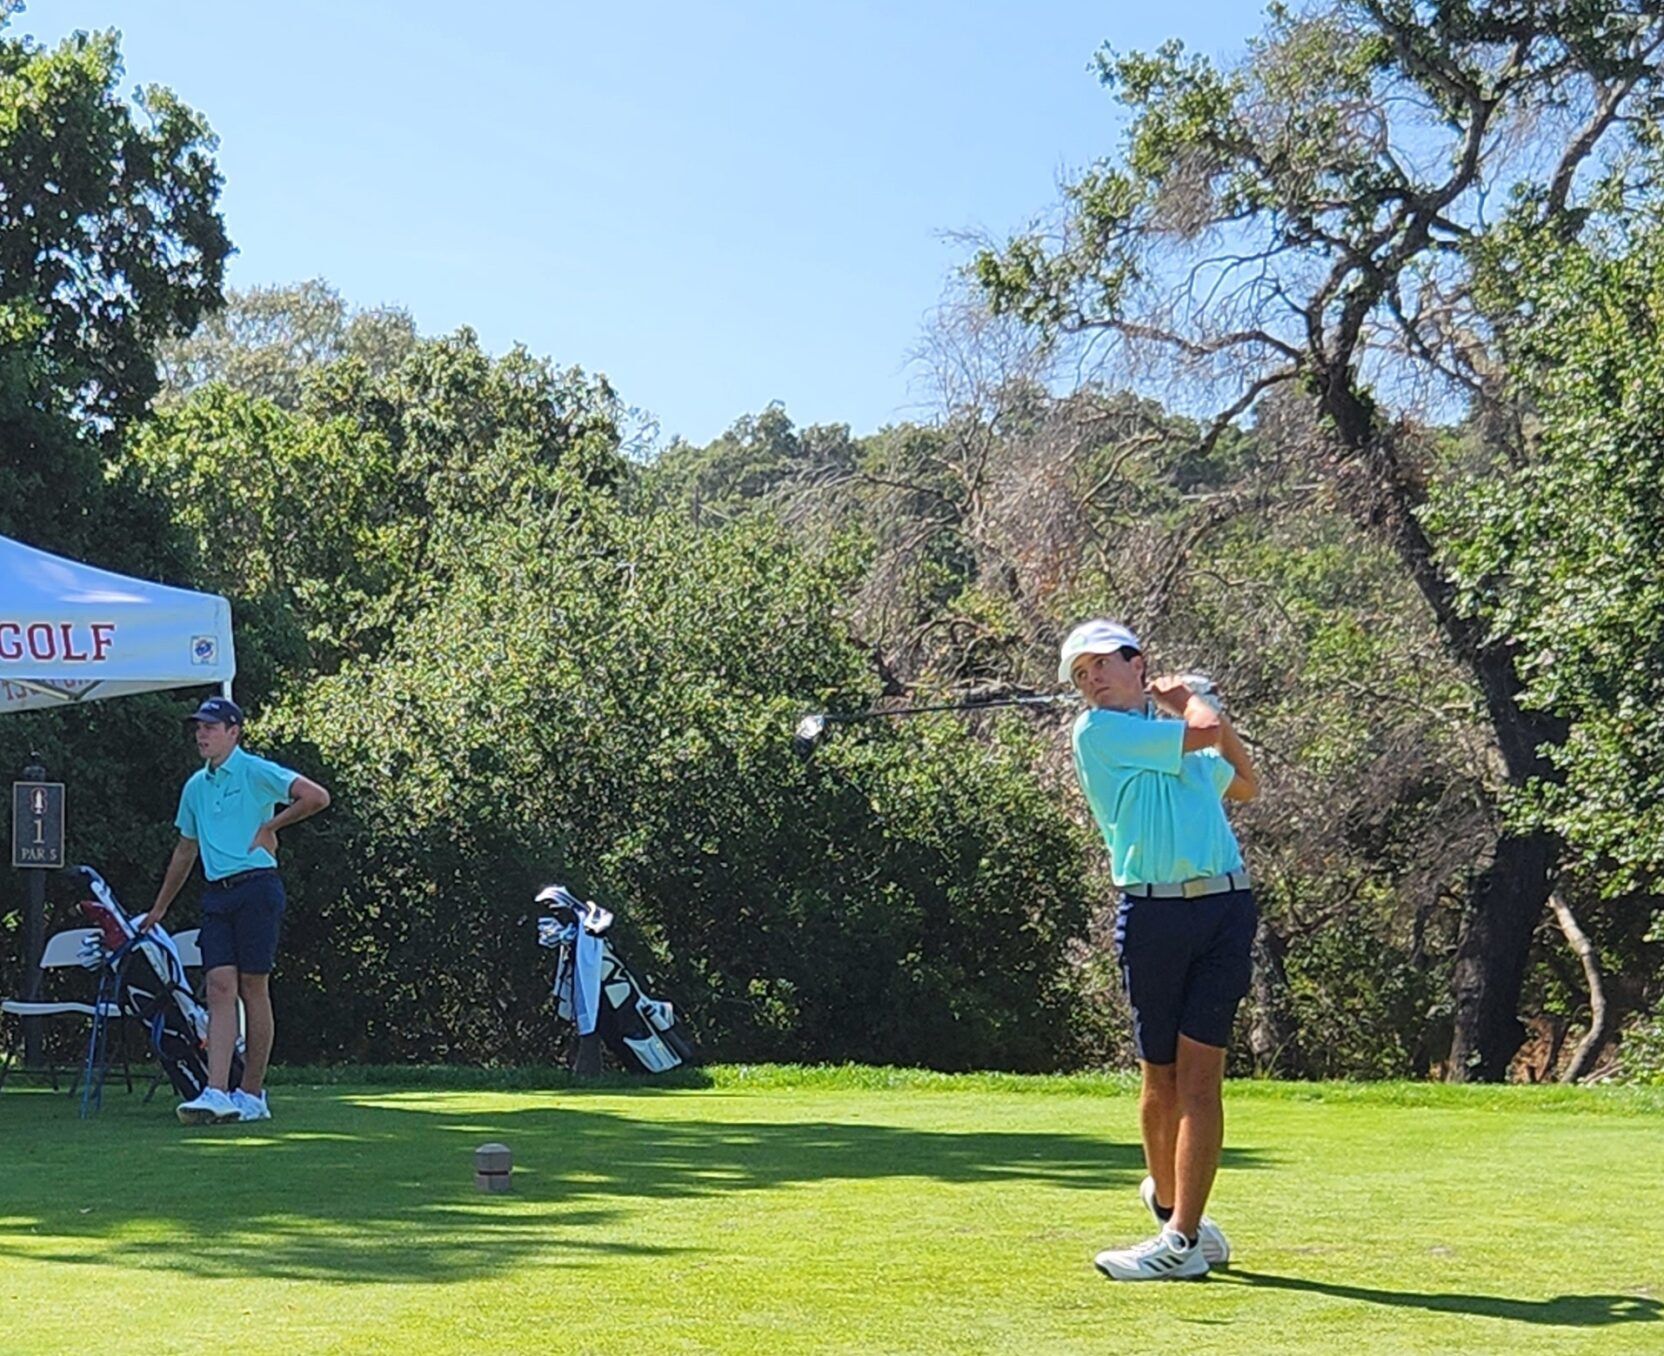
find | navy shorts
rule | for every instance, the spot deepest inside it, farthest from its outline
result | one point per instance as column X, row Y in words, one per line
column 1185, row 964
column 241, row 916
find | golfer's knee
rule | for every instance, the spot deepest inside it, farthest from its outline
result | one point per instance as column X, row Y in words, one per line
column 1198, row 1081
column 221, row 983
column 1199, row 1089
column 1161, row 1083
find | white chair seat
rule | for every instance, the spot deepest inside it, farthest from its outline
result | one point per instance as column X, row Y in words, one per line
column 189, row 948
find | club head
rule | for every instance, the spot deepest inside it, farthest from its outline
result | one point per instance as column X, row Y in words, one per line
column 807, row 733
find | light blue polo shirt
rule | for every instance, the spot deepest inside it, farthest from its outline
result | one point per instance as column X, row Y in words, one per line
column 221, row 808
column 1160, row 809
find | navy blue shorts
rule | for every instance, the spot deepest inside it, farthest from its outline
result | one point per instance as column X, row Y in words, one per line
column 240, row 920
column 1185, row 964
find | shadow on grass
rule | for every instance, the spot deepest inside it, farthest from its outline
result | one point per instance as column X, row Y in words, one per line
column 1563, row 1311
column 361, row 1187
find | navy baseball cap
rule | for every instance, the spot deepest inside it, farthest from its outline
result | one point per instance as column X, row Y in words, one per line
column 219, row 711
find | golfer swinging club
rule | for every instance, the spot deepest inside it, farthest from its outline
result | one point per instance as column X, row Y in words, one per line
column 1185, row 926
column 230, row 813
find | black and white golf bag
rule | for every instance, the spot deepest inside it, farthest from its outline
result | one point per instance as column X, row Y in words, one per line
column 143, row 976
column 595, row 991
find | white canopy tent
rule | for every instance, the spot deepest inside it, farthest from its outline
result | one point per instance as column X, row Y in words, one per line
column 73, row 633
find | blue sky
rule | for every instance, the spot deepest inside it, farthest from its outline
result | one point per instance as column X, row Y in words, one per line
column 717, row 204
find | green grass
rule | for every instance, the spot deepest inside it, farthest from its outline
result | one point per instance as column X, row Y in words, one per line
column 812, row 1210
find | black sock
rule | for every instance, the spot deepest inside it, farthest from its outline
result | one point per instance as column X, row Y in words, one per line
column 1163, row 1212
column 1191, row 1242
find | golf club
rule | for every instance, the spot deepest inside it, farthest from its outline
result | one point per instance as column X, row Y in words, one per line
column 811, row 727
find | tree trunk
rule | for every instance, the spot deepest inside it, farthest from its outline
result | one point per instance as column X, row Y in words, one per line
column 1491, row 953
column 1382, row 495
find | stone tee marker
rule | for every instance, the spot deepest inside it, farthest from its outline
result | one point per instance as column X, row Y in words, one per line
column 493, row 1167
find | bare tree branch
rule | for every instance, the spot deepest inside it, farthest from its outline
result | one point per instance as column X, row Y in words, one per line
column 1590, row 1046
column 1589, row 135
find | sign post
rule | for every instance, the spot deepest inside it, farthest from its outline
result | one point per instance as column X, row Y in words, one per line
column 37, row 846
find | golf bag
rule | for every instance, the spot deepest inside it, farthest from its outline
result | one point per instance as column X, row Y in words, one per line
column 596, row 992
column 143, row 978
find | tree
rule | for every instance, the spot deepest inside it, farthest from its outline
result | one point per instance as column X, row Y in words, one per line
column 738, row 472
column 1310, row 218
column 267, row 341
column 110, row 243
column 1558, row 556
column 327, row 525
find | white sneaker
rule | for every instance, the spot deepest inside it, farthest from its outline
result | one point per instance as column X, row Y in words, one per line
column 1209, row 1236
column 249, row 1106
column 1166, row 1257
column 208, row 1107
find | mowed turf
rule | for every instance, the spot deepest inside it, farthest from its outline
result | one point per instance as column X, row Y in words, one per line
column 780, row 1210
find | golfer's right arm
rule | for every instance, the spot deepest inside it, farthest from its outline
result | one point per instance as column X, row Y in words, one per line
column 1206, row 727
column 178, row 872
column 1246, row 784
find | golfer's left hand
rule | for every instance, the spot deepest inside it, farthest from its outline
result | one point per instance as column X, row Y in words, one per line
column 265, row 837
column 1171, row 693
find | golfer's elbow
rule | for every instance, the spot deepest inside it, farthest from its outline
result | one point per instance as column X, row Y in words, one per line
column 1201, row 736
column 309, row 795
column 1244, row 786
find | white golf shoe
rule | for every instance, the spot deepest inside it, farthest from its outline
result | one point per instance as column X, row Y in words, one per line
column 249, row 1107
column 208, row 1107
column 1166, row 1257
column 1209, row 1236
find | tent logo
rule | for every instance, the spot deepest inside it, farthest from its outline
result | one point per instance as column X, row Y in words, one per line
column 204, row 649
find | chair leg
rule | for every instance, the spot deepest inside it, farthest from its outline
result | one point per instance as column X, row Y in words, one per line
column 11, row 1064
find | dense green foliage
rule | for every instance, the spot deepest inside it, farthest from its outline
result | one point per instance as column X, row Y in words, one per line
column 268, row 340
column 508, row 677
column 1560, row 554
column 111, row 243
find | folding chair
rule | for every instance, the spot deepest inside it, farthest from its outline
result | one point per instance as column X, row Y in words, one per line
column 63, row 951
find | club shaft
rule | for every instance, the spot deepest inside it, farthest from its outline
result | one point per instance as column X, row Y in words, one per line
column 946, row 706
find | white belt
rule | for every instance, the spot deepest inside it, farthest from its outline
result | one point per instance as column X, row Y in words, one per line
column 1191, row 889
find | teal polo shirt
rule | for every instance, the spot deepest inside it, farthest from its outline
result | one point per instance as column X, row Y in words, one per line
column 1160, row 809
column 223, row 807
